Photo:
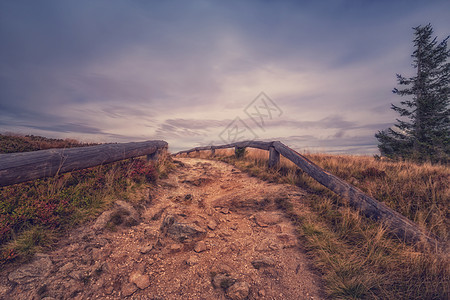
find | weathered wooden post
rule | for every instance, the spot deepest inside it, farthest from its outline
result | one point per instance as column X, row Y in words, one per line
column 213, row 151
column 156, row 155
column 239, row 152
column 274, row 157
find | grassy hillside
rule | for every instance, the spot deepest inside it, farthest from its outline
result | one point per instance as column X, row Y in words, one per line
column 17, row 143
column 357, row 256
column 34, row 214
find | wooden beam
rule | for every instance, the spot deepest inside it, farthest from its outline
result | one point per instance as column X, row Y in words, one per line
column 25, row 166
column 251, row 144
column 398, row 225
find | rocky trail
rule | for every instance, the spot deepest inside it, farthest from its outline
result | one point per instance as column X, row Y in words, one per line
column 208, row 231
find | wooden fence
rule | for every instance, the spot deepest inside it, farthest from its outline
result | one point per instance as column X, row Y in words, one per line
column 21, row 167
column 398, row 225
column 25, row 166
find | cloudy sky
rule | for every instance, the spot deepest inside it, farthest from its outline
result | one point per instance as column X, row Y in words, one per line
column 316, row 75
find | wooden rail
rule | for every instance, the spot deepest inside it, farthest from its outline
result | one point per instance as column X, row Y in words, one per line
column 398, row 225
column 25, row 166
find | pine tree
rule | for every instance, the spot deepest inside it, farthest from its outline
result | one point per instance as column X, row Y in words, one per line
column 423, row 134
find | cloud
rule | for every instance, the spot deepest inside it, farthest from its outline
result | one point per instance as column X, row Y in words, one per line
column 182, row 71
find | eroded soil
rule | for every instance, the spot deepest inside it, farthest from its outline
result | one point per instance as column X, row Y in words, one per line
column 207, row 232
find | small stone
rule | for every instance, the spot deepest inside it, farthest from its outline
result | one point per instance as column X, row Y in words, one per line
column 192, row 260
column 262, row 293
column 128, row 289
column 200, row 247
column 181, row 232
column 263, row 263
column 176, row 247
column 223, row 280
column 225, row 210
column 239, row 290
column 102, row 220
column 146, row 249
column 34, row 271
column 212, row 224
column 141, row 281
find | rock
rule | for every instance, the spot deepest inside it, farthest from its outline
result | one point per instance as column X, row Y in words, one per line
column 200, row 247
column 223, row 280
column 262, row 293
column 176, row 247
column 146, row 249
column 36, row 270
column 128, row 289
column 180, row 231
column 130, row 209
column 225, row 210
column 238, row 291
column 123, row 214
column 265, row 219
column 102, row 220
column 212, row 224
column 192, row 260
column 263, row 262
column 141, row 281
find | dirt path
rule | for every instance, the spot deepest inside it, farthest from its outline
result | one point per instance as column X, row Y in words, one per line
column 209, row 232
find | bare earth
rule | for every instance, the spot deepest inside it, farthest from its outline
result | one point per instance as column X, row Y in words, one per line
column 207, row 232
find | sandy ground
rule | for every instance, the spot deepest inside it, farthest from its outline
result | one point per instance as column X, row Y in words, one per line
column 208, row 231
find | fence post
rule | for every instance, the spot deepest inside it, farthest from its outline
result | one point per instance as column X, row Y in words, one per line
column 274, row 157
column 239, row 152
column 213, row 152
column 156, row 155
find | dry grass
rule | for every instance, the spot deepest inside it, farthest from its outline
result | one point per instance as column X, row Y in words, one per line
column 356, row 256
